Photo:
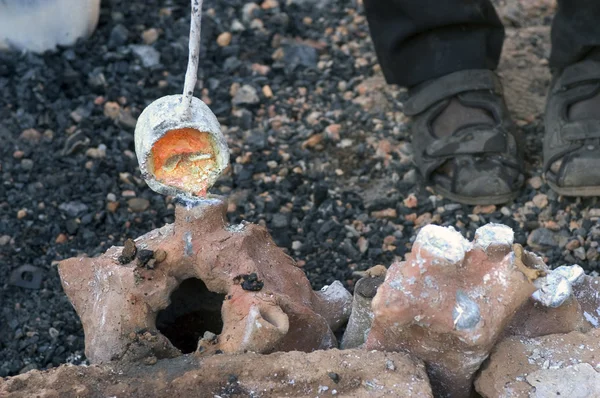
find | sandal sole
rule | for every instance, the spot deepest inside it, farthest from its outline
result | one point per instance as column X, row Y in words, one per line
column 480, row 200
column 575, row 191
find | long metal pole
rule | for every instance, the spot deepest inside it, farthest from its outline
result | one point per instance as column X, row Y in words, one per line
column 191, row 75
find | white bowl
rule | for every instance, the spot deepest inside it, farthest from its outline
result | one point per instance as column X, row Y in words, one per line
column 40, row 25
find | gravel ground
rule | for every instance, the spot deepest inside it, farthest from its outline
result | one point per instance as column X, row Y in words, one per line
column 321, row 153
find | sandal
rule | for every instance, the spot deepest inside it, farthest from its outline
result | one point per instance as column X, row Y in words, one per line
column 572, row 143
column 477, row 163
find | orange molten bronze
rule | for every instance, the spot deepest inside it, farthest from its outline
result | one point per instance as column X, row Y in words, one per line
column 184, row 158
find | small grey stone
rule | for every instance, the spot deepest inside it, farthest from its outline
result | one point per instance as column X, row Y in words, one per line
column 111, row 197
column 96, row 78
column 118, row 36
column 27, row 164
column 249, row 11
column 72, row 226
column 147, row 54
column 300, row 55
column 237, row 26
column 5, row 240
column 452, row 207
column 367, row 287
column 53, row 333
column 74, row 208
column 542, row 238
column 410, row 177
column 246, row 95
column 138, row 205
column 280, row 221
column 579, row 253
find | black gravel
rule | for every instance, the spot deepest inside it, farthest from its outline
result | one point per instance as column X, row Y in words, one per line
column 320, row 157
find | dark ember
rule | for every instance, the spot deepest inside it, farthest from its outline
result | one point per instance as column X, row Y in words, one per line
column 250, row 282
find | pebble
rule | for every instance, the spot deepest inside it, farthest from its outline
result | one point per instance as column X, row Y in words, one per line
column 280, row 221
column 27, row 164
column 147, row 54
column 5, row 240
column 245, row 95
column 594, row 212
column 237, row 26
column 111, row 197
column 333, row 132
column 387, row 213
column 73, row 208
column 21, row 214
column 572, row 245
column 580, row 253
column 540, row 200
column 112, row 206
column 138, row 205
column 267, row 92
column 542, row 238
column 118, row 36
column 97, row 153
column 224, row 39
column 269, row 4
column 410, row 177
column 248, row 11
column 481, row 209
column 300, row 55
column 411, row 201
column 149, row 36
column 313, row 141
column 363, row 244
column 535, row 182
column 31, row 136
column 61, row 238
column 53, row 333
column 257, row 24
column 112, row 110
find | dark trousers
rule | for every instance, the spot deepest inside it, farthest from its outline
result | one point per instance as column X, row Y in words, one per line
column 418, row 40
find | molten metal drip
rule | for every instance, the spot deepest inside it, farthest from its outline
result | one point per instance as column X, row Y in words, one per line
column 185, row 158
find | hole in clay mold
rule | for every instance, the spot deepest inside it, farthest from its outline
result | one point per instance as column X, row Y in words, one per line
column 193, row 310
column 274, row 318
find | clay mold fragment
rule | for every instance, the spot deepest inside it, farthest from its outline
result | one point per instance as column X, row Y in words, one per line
column 331, row 373
column 557, row 365
column 276, row 311
column 449, row 302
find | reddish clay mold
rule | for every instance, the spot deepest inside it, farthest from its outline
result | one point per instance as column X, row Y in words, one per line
column 449, row 302
column 268, row 302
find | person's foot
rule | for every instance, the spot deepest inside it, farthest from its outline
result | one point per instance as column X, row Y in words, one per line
column 465, row 144
column 572, row 135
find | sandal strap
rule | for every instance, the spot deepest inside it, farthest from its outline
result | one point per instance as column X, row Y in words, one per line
column 427, row 94
column 580, row 72
column 577, row 82
column 473, row 140
column 581, row 130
